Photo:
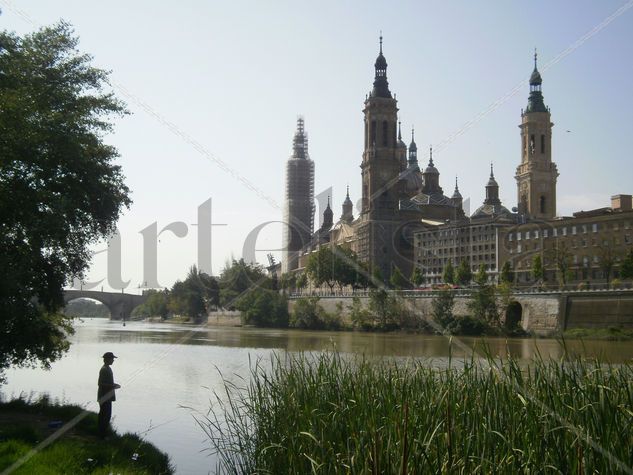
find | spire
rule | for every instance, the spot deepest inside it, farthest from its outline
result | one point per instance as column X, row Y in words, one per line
column 381, row 85
column 413, row 150
column 348, row 207
column 492, row 190
column 431, row 156
column 456, row 194
column 300, row 141
column 399, row 131
column 535, row 101
column 328, row 216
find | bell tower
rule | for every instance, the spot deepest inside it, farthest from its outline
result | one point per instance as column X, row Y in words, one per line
column 380, row 169
column 536, row 175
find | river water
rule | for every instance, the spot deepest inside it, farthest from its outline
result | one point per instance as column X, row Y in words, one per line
column 169, row 372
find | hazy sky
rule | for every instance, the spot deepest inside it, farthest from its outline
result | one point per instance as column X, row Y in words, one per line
column 215, row 88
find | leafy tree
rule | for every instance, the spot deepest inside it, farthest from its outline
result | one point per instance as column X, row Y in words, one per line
column 606, row 259
column 483, row 301
column 506, row 277
column 302, row 281
column 537, row 268
column 195, row 296
column 463, row 274
column 156, row 305
column 307, row 313
column 288, row 280
column 560, row 256
column 417, row 278
column 263, row 308
column 443, row 305
column 398, row 280
column 377, row 279
column 481, row 277
column 238, row 277
column 60, row 191
column 448, row 276
column 320, row 267
column 626, row 268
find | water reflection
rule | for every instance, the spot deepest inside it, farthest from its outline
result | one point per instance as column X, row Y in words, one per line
column 165, row 368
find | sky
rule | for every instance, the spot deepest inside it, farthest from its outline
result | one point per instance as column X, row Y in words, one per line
column 214, row 89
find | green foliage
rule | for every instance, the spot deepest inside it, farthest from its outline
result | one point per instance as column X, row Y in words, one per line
column 195, row 296
column 626, row 268
column 417, row 278
column 86, row 308
column 538, row 274
column 307, row 313
column 560, row 255
column 156, row 305
column 385, row 311
column 443, row 305
column 60, row 191
column 237, row 278
column 507, row 276
column 481, row 277
column 483, row 301
column 335, row 266
column 263, row 308
column 346, row 415
column 361, row 317
column 377, row 279
column 302, row 281
column 448, row 276
column 463, row 274
column 398, row 280
column 82, row 453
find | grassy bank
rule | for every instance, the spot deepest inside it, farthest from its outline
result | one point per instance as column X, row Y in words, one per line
column 25, row 424
column 327, row 414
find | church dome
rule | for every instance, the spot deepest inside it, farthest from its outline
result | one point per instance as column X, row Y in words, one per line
column 412, row 179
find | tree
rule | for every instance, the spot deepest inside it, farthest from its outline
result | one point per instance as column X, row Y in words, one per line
column 506, row 277
column 560, row 255
column 263, row 308
column 156, row 305
column 59, row 189
column 237, row 277
column 626, row 268
column 417, row 278
column 195, row 296
column 320, row 267
column 463, row 275
column 537, row 269
column 443, row 305
column 606, row 259
column 448, row 276
column 302, row 281
column 398, row 280
column 481, row 277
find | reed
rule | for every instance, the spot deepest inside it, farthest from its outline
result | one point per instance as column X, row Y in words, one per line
column 327, row 413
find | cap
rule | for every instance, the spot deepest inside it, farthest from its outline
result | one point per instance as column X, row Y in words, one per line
column 109, row 354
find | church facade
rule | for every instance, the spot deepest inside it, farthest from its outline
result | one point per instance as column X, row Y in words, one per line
column 406, row 220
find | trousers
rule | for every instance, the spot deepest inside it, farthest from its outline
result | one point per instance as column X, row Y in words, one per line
column 105, row 413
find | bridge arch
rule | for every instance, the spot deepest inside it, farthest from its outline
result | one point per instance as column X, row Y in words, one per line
column 120, row 305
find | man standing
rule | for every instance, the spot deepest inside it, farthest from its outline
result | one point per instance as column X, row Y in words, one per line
column 105, row 394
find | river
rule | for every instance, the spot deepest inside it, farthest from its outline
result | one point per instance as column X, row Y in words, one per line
column 169, row 372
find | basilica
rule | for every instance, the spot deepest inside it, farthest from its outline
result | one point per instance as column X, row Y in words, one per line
column 406, row 219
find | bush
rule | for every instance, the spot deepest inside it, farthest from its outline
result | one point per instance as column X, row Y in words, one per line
column 263, row 308
column 307, row 313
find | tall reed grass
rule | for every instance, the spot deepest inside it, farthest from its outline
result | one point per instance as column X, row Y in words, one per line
column 330, row 414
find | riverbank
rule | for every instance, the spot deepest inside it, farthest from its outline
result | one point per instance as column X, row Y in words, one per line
column 25, row 424
column 333, row 414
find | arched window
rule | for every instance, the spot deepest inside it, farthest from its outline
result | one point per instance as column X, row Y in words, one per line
column 373, row 132
column 542, row 204
column 542, row 143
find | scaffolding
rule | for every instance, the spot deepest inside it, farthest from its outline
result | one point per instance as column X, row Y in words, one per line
column 299, row 200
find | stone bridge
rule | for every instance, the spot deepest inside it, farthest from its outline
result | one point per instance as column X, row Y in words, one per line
column 119, row 304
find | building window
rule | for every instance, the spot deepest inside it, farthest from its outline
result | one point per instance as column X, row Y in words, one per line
column 527, row 235
column 564, row 229
column 542, row 204
column 542, row 143
column 545, row 233
column 519, row 248
column 519, row 236
column 536, row 234
column 510, row 237
column 532, row 144
column 627, row 239
column 372, row 133
column 584, row 229
column 594, row 227
column 573, row 230
column 555, row 232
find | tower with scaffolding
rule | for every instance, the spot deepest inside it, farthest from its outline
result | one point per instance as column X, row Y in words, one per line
column 299, row 200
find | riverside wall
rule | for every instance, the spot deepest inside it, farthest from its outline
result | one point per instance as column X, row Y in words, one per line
column 541, row 313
